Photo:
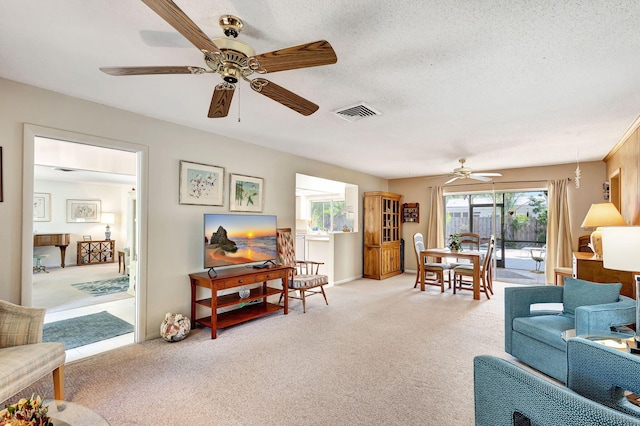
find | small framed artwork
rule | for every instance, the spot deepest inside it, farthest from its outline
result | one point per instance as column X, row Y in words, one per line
column 86, row 237
column 41, row 207
column 246, row 193
column 83, row 211
column 201, row 184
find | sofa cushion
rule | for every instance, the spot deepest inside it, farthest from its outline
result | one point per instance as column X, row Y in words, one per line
column 583, row 293
column 545, row 328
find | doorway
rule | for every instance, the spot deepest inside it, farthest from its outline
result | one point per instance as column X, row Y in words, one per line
column 518, row 219
column 67, row 168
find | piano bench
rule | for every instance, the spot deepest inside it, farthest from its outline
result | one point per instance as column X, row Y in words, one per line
column 39, row 267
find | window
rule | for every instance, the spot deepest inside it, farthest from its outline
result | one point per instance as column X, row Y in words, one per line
column 329, row 216
column 324, row 205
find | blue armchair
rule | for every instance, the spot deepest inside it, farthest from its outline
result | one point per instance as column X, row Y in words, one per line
column 507, row 395
column 535, row 337
column 603, row 374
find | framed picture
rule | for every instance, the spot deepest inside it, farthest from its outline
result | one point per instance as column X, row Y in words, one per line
column 86, row 237
column 246, row 193
column 41, row 207
column 83, row 211
column 201, row 184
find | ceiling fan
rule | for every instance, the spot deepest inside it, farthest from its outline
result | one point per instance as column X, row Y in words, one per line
column 234, row 60
column 463, row 172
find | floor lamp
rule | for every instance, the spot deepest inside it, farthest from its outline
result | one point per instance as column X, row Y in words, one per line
column 621, row 251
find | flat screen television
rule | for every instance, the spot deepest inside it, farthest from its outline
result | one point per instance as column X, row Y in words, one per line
column 236, row 239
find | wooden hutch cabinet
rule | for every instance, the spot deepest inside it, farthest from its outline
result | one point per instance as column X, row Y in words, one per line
column 382, row 231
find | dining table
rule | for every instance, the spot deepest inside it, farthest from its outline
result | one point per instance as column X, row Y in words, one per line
column 438, row 253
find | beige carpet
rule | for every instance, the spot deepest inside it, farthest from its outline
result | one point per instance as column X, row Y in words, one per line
column 381, row 353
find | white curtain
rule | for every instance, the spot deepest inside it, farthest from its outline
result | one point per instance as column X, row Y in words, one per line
column 435, row 228
column 559, row 248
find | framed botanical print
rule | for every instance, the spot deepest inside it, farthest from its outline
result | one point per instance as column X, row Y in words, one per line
column 41, row 207
column 83, row 210
column 246, row 193
column 201, row 184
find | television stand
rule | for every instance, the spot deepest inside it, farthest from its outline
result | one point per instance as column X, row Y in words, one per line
column 237, row 277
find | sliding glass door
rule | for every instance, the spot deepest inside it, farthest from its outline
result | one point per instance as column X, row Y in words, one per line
column 517, row 219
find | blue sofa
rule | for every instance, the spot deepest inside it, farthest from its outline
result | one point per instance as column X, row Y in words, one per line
column 535, row 337
column 507, row 395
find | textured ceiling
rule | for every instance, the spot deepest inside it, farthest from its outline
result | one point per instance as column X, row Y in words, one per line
column 505, row 84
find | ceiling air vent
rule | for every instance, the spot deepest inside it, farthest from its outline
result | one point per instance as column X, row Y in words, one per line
column 356, row 112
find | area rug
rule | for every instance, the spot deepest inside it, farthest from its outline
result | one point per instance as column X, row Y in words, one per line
column 103, row 287
column 84, row 330
column 502, row 274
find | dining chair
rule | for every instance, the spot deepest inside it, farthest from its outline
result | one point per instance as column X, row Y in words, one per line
column 486, row 272
column 470, row 241
column 438, row 269
column 304, row 277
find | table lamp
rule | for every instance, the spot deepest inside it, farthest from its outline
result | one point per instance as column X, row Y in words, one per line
column 108, row 219
column 621, row 249
column 599, row 215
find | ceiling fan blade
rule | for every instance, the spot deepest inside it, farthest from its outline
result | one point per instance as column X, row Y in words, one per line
column 221, row 100
column 453, row 179
column 302, row 56
column 152, row 70
column 479, row 177
column 283, row 96
column 179, row 20
column 488, row 174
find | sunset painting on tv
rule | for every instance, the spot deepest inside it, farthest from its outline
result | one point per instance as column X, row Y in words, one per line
column 235, row 239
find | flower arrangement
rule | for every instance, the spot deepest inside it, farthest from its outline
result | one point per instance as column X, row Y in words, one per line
column 454, row 242
column 26, row 412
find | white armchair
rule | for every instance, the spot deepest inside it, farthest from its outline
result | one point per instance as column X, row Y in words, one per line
column 23, row 356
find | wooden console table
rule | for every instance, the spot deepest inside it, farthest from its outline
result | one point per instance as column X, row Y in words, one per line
column 59, row 240
column 587, row 267
column 237, row 277
column 92, row 252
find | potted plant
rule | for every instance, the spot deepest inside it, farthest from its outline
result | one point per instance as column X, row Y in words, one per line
column 454, row 243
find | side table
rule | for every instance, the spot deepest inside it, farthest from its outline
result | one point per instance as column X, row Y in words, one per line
column 64, row 413
column 621, row 341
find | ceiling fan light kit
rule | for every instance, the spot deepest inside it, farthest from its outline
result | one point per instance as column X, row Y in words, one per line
column 234, row 60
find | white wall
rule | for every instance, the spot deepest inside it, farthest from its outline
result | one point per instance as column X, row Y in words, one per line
column 174, row 231
column 113, row 200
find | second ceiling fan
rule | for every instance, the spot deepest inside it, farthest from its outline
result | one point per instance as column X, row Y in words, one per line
column 464, row 172
column 234, row 60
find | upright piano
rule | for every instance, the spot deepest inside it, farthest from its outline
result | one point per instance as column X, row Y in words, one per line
column 59, row 240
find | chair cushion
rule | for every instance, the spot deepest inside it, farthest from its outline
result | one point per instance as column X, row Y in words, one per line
column 583, row 293
column 436, row 266
column 308, row 281
column 545, row 328
column 25, row 364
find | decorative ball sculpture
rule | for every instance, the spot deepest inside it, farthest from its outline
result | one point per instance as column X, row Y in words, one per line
column 174, row 327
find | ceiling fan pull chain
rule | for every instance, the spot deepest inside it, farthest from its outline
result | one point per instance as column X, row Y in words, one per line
column 239, row 103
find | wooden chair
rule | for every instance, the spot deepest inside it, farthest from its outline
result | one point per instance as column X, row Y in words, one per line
column 583, row 244
column 304, row 277
column 437, row 269
column 470, row 241
column 486, row 272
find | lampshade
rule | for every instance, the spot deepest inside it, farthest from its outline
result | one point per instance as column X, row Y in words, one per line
column 601, row 214
column 108, row 218
column 621, row 248
column 621, row 251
